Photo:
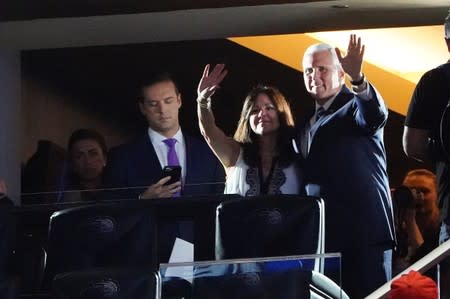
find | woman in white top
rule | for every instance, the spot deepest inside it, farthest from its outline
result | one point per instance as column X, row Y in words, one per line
column 260, row 158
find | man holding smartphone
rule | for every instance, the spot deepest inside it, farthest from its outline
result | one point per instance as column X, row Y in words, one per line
column 140, row 163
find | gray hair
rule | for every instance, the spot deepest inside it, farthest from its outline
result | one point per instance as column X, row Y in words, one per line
column 447, row 25
column 323, row 47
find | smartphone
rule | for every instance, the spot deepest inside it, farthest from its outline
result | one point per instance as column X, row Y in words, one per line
column 174, row 172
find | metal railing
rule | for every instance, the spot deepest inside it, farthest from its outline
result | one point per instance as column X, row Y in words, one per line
column 424, row 264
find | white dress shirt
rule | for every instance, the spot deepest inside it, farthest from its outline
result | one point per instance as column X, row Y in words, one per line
column 161, row 149
column 363, row 92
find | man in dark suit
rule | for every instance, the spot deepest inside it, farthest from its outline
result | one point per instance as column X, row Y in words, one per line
column 138, row 165
column 345, row 164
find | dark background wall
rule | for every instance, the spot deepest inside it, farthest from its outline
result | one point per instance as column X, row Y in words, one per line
column 10, row 120
column 96, row 87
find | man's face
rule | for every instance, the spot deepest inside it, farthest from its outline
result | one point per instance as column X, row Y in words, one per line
column 322, row 77
column 160, row 107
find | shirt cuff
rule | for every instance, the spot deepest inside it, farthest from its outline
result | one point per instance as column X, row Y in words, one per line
column 363, row 91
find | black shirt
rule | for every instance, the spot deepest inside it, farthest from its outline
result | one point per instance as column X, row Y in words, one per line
column 428, row 102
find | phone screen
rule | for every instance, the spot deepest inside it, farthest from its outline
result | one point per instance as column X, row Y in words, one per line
column 174, row 172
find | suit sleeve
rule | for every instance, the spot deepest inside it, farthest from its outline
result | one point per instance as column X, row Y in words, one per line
column 371, row 115
column 115, row 171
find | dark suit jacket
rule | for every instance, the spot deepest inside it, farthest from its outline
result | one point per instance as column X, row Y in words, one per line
column 346, row 165
column 136, row 165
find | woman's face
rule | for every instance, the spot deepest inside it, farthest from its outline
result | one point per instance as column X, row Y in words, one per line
column 88, row 159
column 264, row 116
column 427, row 193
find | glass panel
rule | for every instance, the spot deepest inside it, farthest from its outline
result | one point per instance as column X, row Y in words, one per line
column 275, row 277
column 73, row 195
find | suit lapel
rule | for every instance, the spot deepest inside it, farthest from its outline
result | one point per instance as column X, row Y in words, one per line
column 304, row 119
column 302, row 124
column 146, row 159
column 189, row 153
column 344, row 96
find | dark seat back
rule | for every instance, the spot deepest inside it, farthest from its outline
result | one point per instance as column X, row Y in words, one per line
column 267, row 226
column 106, row 283
column 103, row 235
column 253, row 285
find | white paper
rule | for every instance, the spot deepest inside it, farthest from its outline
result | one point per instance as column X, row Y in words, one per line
column 182, row 251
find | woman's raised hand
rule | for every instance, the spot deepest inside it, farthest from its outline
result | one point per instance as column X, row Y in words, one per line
column 210, row 82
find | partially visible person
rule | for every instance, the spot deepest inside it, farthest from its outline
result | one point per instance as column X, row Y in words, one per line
column 87, row 151
column 3, row 189
column 83, row 178
column 422, row 139
column 4, row 194
column 341, row 142
column 416, row 218
column 43, row 172
column 260, row 159
column 413, row 286
column 138, row 165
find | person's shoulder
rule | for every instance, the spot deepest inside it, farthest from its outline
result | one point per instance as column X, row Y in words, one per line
column 194, row 140
column 5, row 201
column 444, row 71
column 303, row 119
column 433, row 81
column 445, row 66
column 136, row 141
column 129, row 146
column 437, row 73
column 199, row 145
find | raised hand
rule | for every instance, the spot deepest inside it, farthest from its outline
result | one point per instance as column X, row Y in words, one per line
column 210, row 82
column 159, row 190
column 352, row 62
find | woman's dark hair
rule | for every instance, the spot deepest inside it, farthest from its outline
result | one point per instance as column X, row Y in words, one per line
column 286, row 131
column 82, row 134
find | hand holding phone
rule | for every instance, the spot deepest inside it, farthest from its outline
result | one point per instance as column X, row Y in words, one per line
column 174, row 172
column 161, row 188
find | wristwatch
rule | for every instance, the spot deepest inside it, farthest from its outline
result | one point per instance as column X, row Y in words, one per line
column 358, row 82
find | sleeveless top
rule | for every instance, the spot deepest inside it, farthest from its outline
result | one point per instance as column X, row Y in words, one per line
column 245, row 180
